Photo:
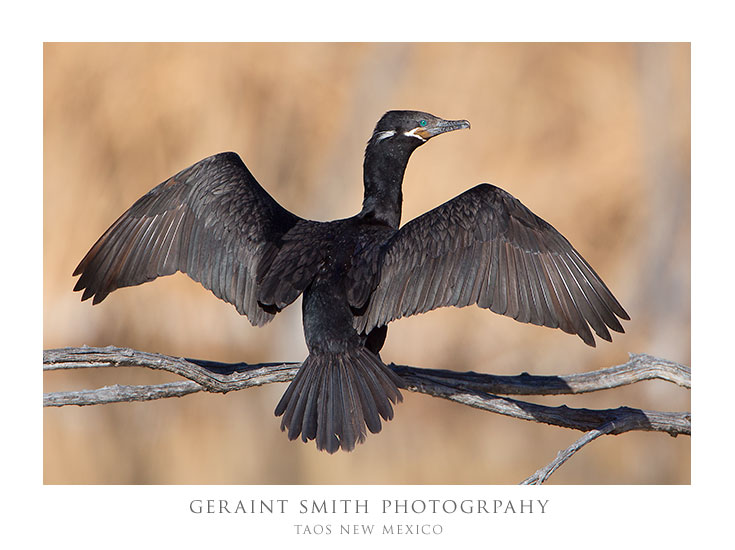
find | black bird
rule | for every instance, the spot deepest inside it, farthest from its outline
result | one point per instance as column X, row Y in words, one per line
column 214, row 222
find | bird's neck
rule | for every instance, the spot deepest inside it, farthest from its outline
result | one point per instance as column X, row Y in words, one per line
column 383, row 178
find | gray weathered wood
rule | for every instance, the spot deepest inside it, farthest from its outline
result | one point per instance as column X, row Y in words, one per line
column 469, row 388
column 541, row 475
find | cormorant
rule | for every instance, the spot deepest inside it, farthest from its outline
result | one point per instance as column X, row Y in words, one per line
column 214, row 222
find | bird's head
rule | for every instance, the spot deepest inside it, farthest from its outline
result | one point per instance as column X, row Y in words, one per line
column 396, row 136
column 412, row 128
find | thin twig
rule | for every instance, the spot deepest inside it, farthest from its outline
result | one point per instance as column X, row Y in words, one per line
column 543, row 474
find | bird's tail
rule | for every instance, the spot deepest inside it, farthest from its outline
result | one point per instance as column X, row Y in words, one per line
column 335, row 395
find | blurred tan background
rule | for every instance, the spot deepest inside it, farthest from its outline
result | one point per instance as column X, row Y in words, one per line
column 595, row 138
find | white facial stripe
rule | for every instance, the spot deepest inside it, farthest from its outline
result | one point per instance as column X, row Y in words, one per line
column 382, row 135
column 413, row 133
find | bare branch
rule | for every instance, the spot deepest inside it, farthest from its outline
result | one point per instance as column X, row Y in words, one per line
column 119, row 393
column 224, row 377
column 210, row 375
column 639, row 367
column 562, row 456
column 469, row 388
column 626, row 418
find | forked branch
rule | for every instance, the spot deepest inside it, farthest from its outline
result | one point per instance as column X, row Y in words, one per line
column 468, row 388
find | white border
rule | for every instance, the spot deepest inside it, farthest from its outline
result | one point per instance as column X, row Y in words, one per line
column 114, row 517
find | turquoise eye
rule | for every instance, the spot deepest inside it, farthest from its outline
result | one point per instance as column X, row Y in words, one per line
column 422, row 123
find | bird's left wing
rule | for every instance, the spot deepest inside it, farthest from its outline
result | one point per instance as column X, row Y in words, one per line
column 484, row 247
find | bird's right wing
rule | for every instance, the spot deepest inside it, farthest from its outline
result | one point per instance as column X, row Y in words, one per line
column 212, row 221
column 484, row 247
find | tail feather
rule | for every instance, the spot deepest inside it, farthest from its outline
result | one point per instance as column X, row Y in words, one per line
column 335, row 396
column 308, row 421
column 370, row 411
column 351, row 412
column 294, row 400
column 381, row 383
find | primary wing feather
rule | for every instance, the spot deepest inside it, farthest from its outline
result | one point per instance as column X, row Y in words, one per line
column 484, row 247
column 212, row 221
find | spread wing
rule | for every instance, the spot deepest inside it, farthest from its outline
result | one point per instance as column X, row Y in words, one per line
column 484, row 247
column 212, row 221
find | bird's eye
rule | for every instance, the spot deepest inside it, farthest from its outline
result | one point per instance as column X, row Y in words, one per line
column 422, row 123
